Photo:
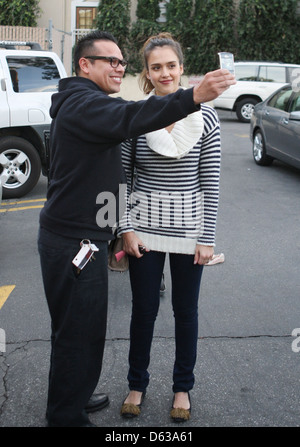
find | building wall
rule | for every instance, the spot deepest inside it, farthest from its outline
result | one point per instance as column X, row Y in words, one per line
column 57, row 10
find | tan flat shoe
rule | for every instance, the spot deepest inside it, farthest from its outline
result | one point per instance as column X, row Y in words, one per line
column 132, row 410
column 181, row 414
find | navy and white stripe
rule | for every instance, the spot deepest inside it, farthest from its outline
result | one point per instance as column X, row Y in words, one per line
column 175, row 201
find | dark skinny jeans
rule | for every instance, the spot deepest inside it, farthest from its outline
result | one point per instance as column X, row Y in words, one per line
column 145, row 277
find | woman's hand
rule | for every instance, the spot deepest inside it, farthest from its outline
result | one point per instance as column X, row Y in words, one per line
column 203, row 254
column 131, row 243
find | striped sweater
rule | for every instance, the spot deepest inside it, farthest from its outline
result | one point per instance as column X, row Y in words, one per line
column 174, row 202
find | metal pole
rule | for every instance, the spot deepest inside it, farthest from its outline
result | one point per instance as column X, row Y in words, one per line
column 50, row 37
column 62, row 47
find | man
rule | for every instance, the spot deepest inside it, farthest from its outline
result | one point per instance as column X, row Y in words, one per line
column 87, row 129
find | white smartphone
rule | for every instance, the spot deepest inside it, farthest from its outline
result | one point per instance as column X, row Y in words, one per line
column 227, row 61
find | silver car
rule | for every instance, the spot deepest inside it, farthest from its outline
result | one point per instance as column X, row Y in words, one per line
column 275, row 128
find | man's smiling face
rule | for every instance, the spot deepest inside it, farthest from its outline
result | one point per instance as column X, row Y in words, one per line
column 100, row 71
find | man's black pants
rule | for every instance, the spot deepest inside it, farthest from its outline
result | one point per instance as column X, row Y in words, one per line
column 78, row 310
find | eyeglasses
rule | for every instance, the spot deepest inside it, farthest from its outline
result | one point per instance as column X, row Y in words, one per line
column 114, row 61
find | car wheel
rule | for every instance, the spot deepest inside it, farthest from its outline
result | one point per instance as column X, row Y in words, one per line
column 20, row 167
column 244, row 109
column 259, row 150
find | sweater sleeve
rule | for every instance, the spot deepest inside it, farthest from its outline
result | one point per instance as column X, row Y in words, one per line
column 125, row 225
column 210, row 160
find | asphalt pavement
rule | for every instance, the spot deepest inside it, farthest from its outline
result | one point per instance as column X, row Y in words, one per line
column 247, row 372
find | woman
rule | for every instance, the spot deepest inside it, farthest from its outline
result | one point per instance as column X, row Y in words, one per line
column 173, row 210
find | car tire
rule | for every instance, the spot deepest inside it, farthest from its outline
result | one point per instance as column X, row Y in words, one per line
column 20, row 167
column 244, row 109
column 259, row 150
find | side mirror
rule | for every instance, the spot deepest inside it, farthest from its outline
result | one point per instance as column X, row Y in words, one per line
column 295, row 116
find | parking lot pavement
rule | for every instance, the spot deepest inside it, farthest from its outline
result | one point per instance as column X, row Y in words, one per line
column 240, row 382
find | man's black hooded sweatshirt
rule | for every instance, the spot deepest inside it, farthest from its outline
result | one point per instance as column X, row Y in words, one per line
column 87, row 129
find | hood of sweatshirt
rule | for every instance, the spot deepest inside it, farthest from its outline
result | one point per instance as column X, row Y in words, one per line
column 68, row 87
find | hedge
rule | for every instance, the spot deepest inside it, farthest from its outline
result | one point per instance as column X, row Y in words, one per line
column 252, row 30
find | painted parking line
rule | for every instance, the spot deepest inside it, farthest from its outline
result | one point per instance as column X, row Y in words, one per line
column 10, row 206
column 5, row 291
column 241, row 135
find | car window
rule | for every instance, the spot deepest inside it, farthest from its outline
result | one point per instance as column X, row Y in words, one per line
column 295, row 106
column 271, row 74
column 246, row 72
column 280, row 99
column 33, row 74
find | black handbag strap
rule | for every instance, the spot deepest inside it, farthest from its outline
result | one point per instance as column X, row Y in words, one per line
column 133, row 152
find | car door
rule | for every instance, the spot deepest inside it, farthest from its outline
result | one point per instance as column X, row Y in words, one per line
column 290, row 131
column 274, row 114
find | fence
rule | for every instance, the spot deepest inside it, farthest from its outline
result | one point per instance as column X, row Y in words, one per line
column 77, row 33
column 24, row 33
column 49, row 39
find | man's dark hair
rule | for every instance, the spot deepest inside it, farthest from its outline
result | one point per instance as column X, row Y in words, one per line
column 85, row 45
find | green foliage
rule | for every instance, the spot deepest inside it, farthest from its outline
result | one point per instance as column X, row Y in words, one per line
column 141, row 30
column 254, row 30
column 269, row 30
column 203, row 29
column 179, row 11
column 115, row 19
column 213, row 27
column 179, row 20
column 19, row 12
column 146, row 25
column 148, row 10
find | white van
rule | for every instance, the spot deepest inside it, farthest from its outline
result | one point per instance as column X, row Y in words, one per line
column 28, row 78
column 255, row 82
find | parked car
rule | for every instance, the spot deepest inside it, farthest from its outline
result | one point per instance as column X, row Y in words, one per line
column 256, row 81
column 275, row 128
column 28, row 79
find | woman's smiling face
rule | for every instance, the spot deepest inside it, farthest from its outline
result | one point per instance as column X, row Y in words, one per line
column 164, row 70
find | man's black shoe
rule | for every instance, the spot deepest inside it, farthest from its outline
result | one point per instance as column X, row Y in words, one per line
column 97, row 402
